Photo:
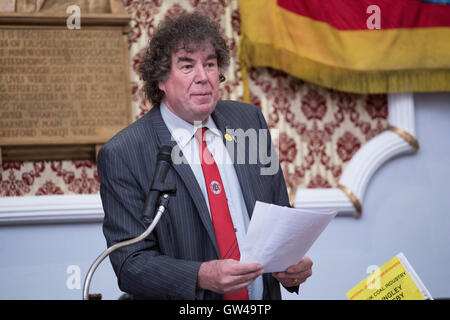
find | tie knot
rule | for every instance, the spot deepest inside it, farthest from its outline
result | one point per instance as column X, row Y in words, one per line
column 200, row 134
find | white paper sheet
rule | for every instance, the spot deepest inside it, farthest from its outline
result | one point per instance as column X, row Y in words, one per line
column 279, row 237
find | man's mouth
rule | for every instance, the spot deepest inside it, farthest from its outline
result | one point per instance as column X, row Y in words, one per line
column 202, row 94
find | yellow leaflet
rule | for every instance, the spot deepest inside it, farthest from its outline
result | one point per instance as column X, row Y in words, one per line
column 391, row 281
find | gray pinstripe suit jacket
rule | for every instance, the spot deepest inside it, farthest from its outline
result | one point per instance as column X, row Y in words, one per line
column 165, row 265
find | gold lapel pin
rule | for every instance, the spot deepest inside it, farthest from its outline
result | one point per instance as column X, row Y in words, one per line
column 228, row 137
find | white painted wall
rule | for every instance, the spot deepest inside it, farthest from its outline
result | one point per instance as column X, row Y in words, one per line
column 34, row 260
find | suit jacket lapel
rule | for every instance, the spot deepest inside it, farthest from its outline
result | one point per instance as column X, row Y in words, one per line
column 186, row 175
column 243, row 171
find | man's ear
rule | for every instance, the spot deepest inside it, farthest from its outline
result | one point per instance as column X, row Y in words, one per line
column 162, row 86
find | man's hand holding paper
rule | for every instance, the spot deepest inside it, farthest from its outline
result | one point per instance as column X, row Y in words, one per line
column 296, row 274
column 279, row 237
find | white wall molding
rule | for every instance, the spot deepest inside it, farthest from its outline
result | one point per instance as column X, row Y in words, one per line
column 50, row 209
column 366, row 161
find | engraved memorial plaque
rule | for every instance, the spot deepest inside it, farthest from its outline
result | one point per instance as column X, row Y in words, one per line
column 62, row 87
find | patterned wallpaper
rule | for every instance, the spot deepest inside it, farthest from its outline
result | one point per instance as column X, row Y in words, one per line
column 319, row 129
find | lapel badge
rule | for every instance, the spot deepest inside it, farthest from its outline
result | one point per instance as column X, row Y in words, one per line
column 228, row 137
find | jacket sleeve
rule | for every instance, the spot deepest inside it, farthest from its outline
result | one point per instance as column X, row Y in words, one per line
column 141, row 269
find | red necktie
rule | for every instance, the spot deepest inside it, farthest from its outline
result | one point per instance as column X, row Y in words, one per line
column 220, row 213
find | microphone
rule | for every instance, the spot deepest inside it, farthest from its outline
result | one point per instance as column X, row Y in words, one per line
column 163, row 163
column 154, row 199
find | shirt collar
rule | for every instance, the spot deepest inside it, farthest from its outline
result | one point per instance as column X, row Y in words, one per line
column 182, row 131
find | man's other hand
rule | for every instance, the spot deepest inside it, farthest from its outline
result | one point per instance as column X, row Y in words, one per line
column 227, row 276
column 295, row 274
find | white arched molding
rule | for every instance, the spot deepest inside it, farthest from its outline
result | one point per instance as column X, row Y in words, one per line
column 397, row 140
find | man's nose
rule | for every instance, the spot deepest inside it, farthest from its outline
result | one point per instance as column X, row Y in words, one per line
column 200, row 74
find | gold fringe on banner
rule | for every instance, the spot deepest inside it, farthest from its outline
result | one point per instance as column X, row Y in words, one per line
column 361, row 82
column 243, row 59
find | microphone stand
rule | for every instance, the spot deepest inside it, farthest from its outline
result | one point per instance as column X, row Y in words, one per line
column 163, row 202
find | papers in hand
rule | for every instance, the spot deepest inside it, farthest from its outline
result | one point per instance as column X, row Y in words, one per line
column 279, row 237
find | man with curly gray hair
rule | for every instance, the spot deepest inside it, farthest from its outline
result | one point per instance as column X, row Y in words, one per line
column 188, row 32
column 193, row 252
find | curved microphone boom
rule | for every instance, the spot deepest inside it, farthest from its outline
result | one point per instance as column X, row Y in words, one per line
column 157, row 201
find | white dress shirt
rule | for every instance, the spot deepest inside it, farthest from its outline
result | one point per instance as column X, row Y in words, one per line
column 183, row 133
